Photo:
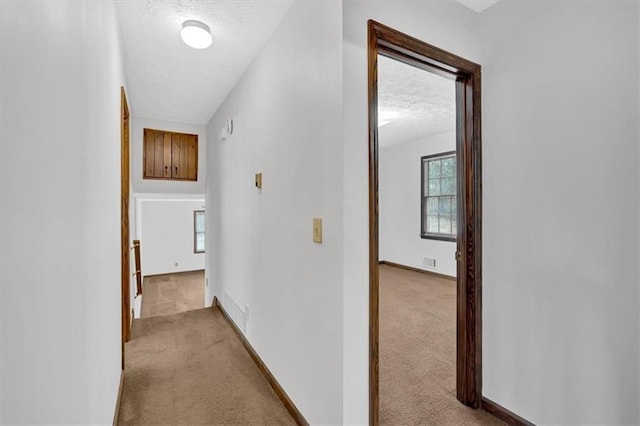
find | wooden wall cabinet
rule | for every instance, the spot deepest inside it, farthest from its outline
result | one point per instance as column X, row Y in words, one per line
column 170, row 155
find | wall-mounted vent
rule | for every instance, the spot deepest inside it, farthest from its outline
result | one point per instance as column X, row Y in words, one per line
column 429, row 262
column 237, row 315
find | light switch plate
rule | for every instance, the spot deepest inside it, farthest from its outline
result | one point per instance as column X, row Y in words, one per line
column 317, row 229
column 259, row 180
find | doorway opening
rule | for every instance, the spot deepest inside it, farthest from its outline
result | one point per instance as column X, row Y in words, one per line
column 392, row 44
column 171, row 230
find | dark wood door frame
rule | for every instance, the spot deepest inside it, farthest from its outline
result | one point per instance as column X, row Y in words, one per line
column 396, row 45
column 124, row 221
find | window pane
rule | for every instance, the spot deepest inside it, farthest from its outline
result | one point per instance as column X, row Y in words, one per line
column 432, row 205
column 434, row 186
column 448, row 186
column 433, row 224
column 199, row 218
column 200, row 241
column 444, row 206
column 448, row 167
column 454, row 208
column 445, row 224
column 434, row 169
column 425, row 178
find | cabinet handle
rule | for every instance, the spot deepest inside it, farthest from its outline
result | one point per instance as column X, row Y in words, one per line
column 176, row 169
column 166, row 170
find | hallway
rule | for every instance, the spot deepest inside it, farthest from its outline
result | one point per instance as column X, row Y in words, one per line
column 172, row 293
column 191, row 368
column 243, row 138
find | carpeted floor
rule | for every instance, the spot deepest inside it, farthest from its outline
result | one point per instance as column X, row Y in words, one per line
column 172, row 293
column 418, row 352
column 190, row 368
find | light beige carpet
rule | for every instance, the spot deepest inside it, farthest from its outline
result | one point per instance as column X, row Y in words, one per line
column 172, row 293
column 190, row 368
column 418, row 352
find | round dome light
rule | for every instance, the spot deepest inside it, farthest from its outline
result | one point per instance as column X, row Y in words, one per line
column 196, row 34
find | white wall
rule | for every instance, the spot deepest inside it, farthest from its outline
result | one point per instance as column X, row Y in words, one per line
column 165, row 186
column 287, row 116
column 400, row 205
column 61, row 73
column 446, row 24
column 165, row 229
column 560, row 131
column 560, row 167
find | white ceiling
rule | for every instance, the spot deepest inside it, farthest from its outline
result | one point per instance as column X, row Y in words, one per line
column 169, row 80
column 416, row 103
column 478, row 5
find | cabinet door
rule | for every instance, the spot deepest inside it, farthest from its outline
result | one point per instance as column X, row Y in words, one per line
column 153, row 154
column 192, row 155
column 158, row 153
column 184, row 157
column 167, row 155
column 149, row 158
column 175, row 155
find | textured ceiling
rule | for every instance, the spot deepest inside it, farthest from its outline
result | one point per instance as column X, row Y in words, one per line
column 416, row 103
column 478, row 5
column 169, row 80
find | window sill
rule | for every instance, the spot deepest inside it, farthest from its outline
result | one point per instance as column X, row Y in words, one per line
column 438, row 237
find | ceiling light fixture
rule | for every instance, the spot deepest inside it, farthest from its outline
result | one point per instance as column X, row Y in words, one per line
column 196, row 34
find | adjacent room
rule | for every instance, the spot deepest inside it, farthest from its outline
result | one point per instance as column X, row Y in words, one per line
column 169, row 216
column 172, row 257
column 418, row 209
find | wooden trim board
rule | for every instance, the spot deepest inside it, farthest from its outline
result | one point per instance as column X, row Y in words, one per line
column 125, row 264
column 116, row 415
column 288, row 403
column 386, row 41
column 503, row 414
column 422, row 271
